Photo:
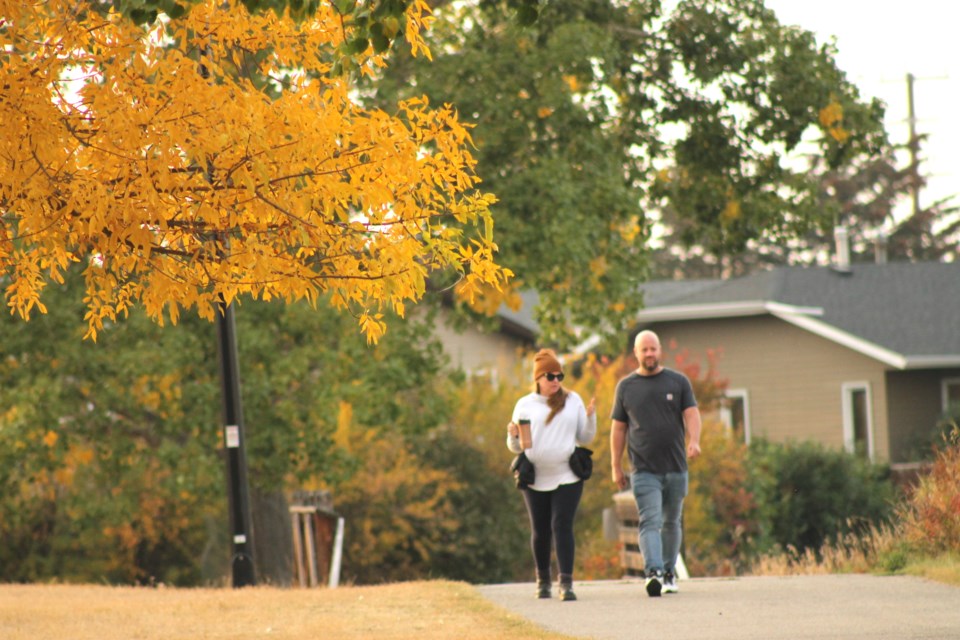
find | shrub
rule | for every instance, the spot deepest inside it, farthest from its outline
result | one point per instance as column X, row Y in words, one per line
column 720, row 512
column 809, row 495
column 398, row 512
column 931, row 517
column 491, row 540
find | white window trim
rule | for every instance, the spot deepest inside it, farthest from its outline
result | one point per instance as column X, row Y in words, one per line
column 847, row 405
column 727, row 419
column 490, row 374
column 945, row 383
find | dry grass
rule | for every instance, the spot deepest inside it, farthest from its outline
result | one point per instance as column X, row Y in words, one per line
column 854, row 554
column 421, row 610
column 879, row 550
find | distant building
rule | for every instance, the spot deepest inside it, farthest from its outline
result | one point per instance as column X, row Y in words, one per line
column 863, row 357
column 491, row 354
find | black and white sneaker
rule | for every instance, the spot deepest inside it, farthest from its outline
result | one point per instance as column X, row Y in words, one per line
column 654, row 583
column 670, row 583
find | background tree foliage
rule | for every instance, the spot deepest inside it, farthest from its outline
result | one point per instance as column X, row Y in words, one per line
column 862, row 196
column 158, row 158
column 114, row 463
column 107, row 454
column 601, row 116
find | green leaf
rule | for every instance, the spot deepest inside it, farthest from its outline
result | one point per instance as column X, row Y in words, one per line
column 380, row 42
column 528, row 12
column 344, row 6
column 358, row 45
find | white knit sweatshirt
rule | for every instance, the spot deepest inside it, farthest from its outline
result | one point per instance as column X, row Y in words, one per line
column 553, row 443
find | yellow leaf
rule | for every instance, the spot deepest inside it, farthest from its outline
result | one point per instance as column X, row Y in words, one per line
column 731, row 211
column 831, row 114
column 572, row 82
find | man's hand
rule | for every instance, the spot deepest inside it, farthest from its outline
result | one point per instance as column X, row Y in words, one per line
column 592, row 406
column 618, row 440
column 691, row 420
column 619, row 479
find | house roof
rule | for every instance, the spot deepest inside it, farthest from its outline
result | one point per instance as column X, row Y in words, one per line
column 904, row 314
column 521, row 322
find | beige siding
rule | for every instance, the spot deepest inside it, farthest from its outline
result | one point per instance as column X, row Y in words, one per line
column 484, row 353
column 915, row 406
column 794, row 378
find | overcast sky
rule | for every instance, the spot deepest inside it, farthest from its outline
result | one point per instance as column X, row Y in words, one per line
column 878, row 44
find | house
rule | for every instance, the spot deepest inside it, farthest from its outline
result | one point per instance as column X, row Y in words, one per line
column 863, row 356
column 490, row 353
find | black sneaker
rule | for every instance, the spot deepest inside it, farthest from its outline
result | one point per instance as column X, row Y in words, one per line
column 543, row 589
column 670, row 583
column 654, row 583
column 566, row 592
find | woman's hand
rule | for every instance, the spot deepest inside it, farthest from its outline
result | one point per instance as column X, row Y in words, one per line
column 513, row 430
column 592, row 406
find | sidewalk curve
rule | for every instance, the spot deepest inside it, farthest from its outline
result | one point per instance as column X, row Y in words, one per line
column 762, row 608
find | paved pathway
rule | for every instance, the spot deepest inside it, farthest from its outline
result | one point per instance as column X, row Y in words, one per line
column 767, row 608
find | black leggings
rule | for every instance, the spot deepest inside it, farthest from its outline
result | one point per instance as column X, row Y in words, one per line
column 551, row 520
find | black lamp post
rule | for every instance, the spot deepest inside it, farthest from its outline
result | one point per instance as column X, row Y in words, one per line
column 233, row 440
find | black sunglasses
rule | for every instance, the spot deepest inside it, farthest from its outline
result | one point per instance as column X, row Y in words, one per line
column 553, row 376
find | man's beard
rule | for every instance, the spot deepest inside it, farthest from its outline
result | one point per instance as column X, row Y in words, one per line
column 651, row 368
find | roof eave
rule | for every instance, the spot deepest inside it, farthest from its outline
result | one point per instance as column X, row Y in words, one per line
column 723, row 310
column 949, row 361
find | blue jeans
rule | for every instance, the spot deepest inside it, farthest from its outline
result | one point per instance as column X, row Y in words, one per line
column 660, row 504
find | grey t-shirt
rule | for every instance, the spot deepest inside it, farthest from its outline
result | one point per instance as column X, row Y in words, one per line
column 652, row 407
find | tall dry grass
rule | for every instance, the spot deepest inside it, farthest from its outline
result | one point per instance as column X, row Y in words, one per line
column 851, row 554
column 414, row 610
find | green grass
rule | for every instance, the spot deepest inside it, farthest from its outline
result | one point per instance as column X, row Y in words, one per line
column 943, row 568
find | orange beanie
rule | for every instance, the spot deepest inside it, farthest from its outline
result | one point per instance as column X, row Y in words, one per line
column 545, row 362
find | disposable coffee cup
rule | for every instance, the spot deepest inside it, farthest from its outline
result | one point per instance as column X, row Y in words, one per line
column 526, row 438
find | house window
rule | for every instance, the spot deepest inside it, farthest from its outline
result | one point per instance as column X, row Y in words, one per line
column 857, row 419
column 485, row 374
column 735, row 414
column 950, row 391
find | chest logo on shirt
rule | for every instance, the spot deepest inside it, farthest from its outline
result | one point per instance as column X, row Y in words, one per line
column 670, row 397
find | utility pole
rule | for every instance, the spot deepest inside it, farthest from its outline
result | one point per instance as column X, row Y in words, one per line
column 913, row 145
column 241, row 533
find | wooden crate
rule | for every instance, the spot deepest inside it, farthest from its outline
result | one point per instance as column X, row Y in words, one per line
column 628, row 534
column 631, row 558
column 313, row 535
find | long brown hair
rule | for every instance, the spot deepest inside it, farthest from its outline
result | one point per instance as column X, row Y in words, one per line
column 556, row 402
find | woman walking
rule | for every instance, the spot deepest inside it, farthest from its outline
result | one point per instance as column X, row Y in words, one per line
column 558, row 421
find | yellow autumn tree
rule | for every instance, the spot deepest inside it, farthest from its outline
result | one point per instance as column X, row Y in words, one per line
column 217, row 156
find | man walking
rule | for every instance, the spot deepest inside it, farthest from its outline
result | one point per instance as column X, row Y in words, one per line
column 654, row 410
